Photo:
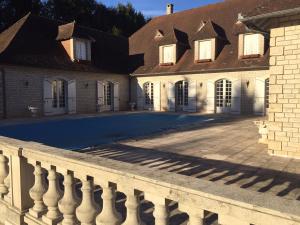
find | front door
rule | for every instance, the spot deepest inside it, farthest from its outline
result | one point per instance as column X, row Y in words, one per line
column 182, row 95
column 58, row 96
column 223, row 96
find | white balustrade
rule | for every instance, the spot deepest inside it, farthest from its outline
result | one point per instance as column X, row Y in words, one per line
column 109, row 214
column 37, row 191
column 161, row 212
column 3, row 175
column 68, row 204
column 133, row 205
column 196, row 215
column 51, row 198
column 88, row 210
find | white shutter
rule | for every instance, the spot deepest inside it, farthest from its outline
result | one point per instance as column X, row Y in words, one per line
column 259, row 100
column 205, row 50
column 171, row 97
column 251, row 44
column 72, row 96
column 48, row 98
column 236, row 97
column 168, row 52
column 210, row 97
column 83, row 50
column 100, row 95
column 116, row 97
column 192, row 106
column 156, row 95
column 140, row 97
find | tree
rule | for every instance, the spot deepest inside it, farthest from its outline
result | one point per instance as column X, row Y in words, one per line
column 121, row 20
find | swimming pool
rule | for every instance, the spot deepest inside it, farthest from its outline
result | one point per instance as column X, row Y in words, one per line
column 79, row 133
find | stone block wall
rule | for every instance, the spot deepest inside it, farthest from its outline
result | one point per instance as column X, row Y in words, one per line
column 284, row 112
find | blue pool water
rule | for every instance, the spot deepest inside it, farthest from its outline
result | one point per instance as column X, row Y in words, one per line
column 79, row 133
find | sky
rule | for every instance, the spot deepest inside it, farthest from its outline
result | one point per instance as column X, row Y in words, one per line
column 151, row 8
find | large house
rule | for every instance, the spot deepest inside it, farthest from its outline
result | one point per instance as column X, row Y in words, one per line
column 61, row 68
column 204, row 60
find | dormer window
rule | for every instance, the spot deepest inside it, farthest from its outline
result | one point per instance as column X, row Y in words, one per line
column 205, row 50
column 252, row 45
column 167, row 55
column 82, row 50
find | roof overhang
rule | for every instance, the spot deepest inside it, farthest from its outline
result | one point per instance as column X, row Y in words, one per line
column 287, row 12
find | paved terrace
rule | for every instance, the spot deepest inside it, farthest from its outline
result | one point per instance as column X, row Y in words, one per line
column 224, row 152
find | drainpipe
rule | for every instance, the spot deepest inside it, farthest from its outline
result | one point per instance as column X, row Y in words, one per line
column 4, row 92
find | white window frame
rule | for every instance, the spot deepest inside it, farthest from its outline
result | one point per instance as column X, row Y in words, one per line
column 172, row 57
column 253, row 48
column 82, row 50
column 202, row 49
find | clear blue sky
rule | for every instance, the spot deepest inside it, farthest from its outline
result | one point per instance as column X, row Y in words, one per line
column 158, row 7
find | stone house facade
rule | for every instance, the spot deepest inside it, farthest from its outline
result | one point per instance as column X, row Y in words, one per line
column 216, row 64
column 50, row 68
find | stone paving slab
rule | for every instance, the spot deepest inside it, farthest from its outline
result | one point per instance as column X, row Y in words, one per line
column 225, row 152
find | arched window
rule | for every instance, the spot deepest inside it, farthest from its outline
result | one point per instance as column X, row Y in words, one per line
column 267, row 92
column 223, row 95
column 148, row 93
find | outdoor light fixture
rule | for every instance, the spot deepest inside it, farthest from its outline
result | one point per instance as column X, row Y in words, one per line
column 201, row 84
column 86, row 85
column 248, row 82
column 26, row 83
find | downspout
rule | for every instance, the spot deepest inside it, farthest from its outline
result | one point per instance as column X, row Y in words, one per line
column 4, row 92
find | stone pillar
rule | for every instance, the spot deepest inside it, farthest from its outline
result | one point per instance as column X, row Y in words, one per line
column 284, row 112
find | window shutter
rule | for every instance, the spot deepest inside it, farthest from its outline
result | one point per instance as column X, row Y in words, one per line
column 72, row 96
column 116, row 97
column 236, row 96
column 259, row 101
column 47, row 96
column 192, row 106
column 210, row 97
column 140, row 97
column 171, row 97
column 251, row 44
column 205, row 50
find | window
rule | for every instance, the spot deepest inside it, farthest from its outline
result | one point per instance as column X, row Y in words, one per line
column 168, row 54
column 148, row 91
column 252, row 44
column 182, row 93
column 205, row 50
column 223, row 93
column 81, row 50
column 58, row 94
column 107, row 88
column 267, row 92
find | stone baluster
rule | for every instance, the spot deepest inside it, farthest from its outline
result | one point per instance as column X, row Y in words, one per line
column 3, row 174
column 68, row 204
column 51, row 198
column 88, row 210
column 133, row 207
column 37, row 191
column 161, row 212
column 196, row 215
column 109, row 214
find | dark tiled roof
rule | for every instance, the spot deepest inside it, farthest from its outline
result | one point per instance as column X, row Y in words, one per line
column 269, row 6
column 208, row 30
column 220, row 17
column 32, row 42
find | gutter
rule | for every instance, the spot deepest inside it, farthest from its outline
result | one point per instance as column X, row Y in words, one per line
column 202, row 71
column 270, row 15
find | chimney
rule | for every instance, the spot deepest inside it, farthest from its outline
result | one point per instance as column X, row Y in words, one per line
column 170, row 9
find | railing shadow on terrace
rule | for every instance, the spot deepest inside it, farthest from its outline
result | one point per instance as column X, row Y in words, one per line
column 245, row 176
column 81, row 189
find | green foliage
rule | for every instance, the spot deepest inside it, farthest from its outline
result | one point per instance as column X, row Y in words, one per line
column 121, row 20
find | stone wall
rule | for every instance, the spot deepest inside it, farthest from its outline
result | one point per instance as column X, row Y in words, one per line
column 284, row 112
column 247, row 89
column 24, row 87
